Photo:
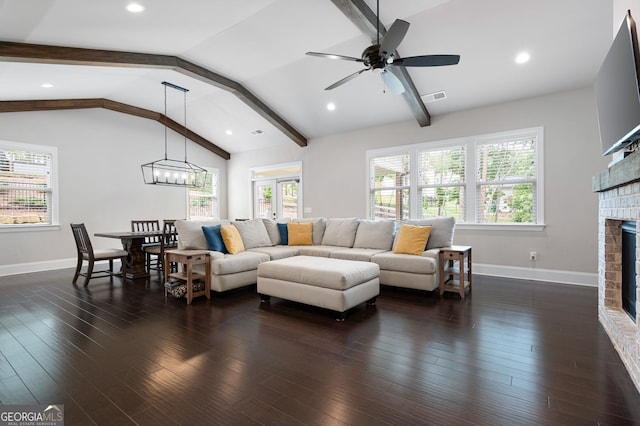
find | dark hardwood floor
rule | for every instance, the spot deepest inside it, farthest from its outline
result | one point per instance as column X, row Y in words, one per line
column 512, row 353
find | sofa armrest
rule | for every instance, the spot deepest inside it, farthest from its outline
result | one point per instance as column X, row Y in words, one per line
column 432, row 253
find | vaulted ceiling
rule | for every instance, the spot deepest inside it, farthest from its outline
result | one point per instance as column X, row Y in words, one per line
column 259, row 46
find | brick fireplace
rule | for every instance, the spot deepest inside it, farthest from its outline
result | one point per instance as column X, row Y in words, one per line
column 619, row 201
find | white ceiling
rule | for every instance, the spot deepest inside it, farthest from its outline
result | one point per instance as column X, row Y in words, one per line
column 262, row 43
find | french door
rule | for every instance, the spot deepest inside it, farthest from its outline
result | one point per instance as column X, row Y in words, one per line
column 275, row 198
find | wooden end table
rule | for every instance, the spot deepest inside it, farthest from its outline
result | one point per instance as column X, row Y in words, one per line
column 454, row 269
column 188, row 258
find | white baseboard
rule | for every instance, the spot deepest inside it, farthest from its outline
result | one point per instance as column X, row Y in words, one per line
column 535, row 274
column 24, row 268
column 548, row 275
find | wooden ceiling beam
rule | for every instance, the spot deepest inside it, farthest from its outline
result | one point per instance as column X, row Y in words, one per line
column 365, row 19
column 58, row 104
column 44, row 54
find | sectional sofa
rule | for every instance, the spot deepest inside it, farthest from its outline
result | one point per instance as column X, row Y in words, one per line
column 339, row 238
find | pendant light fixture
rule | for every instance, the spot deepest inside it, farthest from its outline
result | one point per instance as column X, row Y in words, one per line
column 171, row 172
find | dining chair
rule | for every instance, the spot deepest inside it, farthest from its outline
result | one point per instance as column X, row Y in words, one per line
column 168, row 241
column 150, row 243
column 86, row 252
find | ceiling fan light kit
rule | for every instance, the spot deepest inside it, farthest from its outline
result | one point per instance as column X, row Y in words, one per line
column 382, row 56
column 170, row 172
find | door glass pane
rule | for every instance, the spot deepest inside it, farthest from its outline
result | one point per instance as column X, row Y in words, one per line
column 264, row 200
column 288, row 199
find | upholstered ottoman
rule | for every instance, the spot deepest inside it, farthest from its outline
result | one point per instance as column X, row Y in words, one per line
column 334, row 284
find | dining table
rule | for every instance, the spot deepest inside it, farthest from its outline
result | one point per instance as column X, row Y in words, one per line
column 133, row 243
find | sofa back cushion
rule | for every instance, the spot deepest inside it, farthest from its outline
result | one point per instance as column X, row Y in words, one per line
column 441, row 232
column 340, row 232
column 319, row 224
column 253, row 233
column 273, row 230
column 375, row 234
column 190, row 234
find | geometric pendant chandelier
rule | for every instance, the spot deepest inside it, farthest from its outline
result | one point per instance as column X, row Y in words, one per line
column 171, row 172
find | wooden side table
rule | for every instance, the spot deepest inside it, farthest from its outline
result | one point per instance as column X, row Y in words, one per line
column 454, row 269
column 188, row 258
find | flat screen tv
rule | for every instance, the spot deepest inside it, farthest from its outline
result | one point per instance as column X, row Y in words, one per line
column 617, row 91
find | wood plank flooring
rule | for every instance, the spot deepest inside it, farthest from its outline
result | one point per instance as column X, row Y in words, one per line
column 511, row 353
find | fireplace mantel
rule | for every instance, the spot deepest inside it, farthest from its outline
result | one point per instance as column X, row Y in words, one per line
column 621, row 173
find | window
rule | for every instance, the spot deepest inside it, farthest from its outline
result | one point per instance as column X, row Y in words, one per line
column 28, row 195
column 202, row 203
column 485, row 180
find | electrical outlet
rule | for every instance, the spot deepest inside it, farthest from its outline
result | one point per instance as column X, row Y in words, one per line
column 533, row 255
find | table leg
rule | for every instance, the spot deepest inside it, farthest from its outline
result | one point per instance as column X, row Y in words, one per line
column 135, row 259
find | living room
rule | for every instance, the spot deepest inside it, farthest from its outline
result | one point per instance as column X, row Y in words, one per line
column 99, row 154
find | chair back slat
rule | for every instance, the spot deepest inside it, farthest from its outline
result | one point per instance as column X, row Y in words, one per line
column 169, row 233
column 147, row 225
column 83, row 243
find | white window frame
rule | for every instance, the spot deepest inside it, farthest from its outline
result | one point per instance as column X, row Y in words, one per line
column 216, row 211
column 470, row 144
column 53, row 199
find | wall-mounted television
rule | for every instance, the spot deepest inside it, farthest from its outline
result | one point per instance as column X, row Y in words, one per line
column 617, row 91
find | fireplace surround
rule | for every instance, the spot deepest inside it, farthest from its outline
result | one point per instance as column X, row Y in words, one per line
column 618, row 190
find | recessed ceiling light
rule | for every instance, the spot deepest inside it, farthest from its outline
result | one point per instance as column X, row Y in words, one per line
column 46, row 85
column 522, row 58
column 229, row 132
column 331, row 106
column 135, row 7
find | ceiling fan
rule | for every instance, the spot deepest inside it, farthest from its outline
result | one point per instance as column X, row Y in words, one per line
column 381, row 56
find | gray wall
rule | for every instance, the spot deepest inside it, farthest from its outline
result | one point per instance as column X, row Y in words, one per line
column 334, row 179
column 100, row 181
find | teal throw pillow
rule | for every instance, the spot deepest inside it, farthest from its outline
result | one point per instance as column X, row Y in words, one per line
column 284, row 234
column 214, row 238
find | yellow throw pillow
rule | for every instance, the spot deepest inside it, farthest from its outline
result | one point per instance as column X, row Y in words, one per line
column 300, row 234
column 412, row 239
column 232, row 239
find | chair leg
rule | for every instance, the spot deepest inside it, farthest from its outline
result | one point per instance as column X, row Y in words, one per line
column 78, row 268
column 89, row 272
column 111, row 266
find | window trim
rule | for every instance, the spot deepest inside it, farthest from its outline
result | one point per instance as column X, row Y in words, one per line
column 55, row 216
column 471, row 143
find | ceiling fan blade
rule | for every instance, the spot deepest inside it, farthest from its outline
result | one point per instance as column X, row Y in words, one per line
column 394, row 37
column 392, row 81
column 332, row 56
column 347, row 78
column 427, row 61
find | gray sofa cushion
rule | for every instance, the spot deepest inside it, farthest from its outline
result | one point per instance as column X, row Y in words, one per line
column 340, row 232
column 319, row 224
column 406, row 263
column 441, row 232
column 253, row 233
column 361, row 254
column 375, row 234
column 272, row 229
column 190, row 234
column 239, row 262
